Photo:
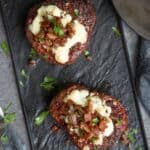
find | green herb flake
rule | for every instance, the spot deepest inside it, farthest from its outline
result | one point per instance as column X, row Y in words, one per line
column 93, row 139
column 21, row 83
column 52, row 20
column 58, row 30
column 23, row 74
column 132, row 135
column 76, row 12
column 9, row 118
column 116, row 31
column 4, row 47
column 119, row 122
column 49, row 83
column 41, row 40
column 95, row 121
column 33, row 54
column 40, row 119
column 86, row 53
column 4, row 139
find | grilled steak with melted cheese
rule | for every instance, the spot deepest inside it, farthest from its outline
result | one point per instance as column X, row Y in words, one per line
column 60, row 30
column 92, row 119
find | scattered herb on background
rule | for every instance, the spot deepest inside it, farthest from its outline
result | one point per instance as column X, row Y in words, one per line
column 9, row 118
column 116, row 31
column 58, row 30
column 21, row 83
column 95, row 121
column 33, row 54
column 23, row 74
column 4, row 46
column 76, row 12
column 40, row 119
column 49, row 83
column 86, row 53
column 132, row 135
column 4, row 139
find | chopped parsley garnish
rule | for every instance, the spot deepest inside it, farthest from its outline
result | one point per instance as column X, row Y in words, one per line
column 86, row 53
column 93, row 139
column 40, row 119
column 49, row 83
column 41, row 40
column 23, row 74
column 4, row 46
column 119, row 122
column 76, row 12
column 95, row 148
column 52, row 20
column 9, row 118
column 132, row 135
column 33, row 54
column 116, row 31
column 4, row 139
column 95, row 121
column 58, row 30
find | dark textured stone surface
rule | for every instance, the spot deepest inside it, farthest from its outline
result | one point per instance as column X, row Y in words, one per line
column 108, row 65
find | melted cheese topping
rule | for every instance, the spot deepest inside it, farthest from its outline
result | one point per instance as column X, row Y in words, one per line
column 80, row 36
column 81, row 97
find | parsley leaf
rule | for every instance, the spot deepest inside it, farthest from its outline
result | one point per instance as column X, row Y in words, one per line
column 4, row 46
column 49, row 83
column 40, row 119
column 23, row 74
column 9, row 118
column 116, row 31
column 76, row 12
column 86, row 53
column 139, row 148
column 95, row 121
column 132, row 135
column 33, row 54
column 58, row 30
column 4, row 139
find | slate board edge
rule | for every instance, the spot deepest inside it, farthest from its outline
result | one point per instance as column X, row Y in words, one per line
column 137, row 107
column 16, row 78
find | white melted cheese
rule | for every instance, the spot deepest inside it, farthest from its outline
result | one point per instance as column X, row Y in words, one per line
column 43, row 11
column 78, row 97
column 80, row 36
column 81, row 97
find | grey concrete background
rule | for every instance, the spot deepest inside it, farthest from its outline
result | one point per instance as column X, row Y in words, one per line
column 9, row 93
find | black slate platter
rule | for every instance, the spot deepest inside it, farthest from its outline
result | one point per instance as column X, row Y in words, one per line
column 108, row 67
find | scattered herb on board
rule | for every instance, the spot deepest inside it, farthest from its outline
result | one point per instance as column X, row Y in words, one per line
column 4, row 47
column 23, row 74
column 41, row 117
column 95, row 121
column 58, row 30
column 76, row 12
column 9, row 118
column 33, row 54
column 4, row 139
column 116, row 31
column 7, row 108
column 49, row 83
column 86, row 53
column 132, row 135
